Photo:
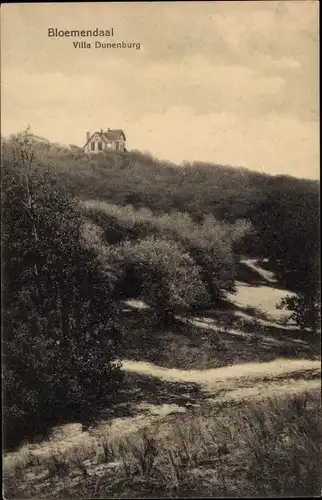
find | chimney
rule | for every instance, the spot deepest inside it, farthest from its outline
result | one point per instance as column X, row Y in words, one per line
column 88, row 134
column 108, row 129
column 101, row 130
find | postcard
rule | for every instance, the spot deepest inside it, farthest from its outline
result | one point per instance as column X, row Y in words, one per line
column 160, row 249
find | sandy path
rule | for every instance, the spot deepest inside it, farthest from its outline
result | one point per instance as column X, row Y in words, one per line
column 271, row 369
column 267, row 390
column 248, row 380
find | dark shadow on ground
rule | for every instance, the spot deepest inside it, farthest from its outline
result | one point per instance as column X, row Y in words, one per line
column 145, row 389
column 135, row 389
column 282, row 332
column 249, row 276
column 31, row 432
column 226, row 308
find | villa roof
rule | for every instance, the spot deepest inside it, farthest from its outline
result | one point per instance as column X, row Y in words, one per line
column 109, row 135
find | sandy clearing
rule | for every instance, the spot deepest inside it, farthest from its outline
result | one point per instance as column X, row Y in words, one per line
column 136, row 304
column 263, row 298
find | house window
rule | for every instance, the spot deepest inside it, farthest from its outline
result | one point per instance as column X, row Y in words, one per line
column 92, row 146
column 100, row 146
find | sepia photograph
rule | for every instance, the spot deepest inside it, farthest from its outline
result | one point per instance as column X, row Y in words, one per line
column 160, row 250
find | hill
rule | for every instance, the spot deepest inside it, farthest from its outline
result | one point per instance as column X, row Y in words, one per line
column 283, row 210
column 120, row 269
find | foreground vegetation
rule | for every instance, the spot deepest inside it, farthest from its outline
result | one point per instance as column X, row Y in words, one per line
column 263, row 449
column 81, row 235
column 60, row 342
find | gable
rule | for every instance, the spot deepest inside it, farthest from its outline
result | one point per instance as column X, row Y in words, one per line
column 109, row 136
column 96, row 137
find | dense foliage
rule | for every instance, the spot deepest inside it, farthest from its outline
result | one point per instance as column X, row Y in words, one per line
column 60, row 337
column 283, row 211
column 207, row 249
column 165, row 276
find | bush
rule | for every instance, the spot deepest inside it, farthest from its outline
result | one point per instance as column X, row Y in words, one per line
column 210, row 243
column 305, row 310
column 60, row 334
column 161, row 273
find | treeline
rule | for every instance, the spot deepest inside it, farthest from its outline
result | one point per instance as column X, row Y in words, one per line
column 283, row 210
column 275, row 205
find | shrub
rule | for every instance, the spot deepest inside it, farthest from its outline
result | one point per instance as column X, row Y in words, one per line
column 305, row 310
column 165, row 276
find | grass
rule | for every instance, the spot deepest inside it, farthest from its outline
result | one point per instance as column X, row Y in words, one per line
column 265, row 449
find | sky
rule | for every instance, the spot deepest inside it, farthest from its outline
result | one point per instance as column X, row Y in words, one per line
column 233, row 83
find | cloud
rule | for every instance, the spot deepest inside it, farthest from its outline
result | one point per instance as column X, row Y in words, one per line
column 267, row 62
column 236, row 81
column 272, row 144
column 202, row 85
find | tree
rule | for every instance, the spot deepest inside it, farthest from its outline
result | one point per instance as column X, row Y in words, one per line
column 60, row 336
column 165, row 275
column 292, row 240
column 305, row 310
